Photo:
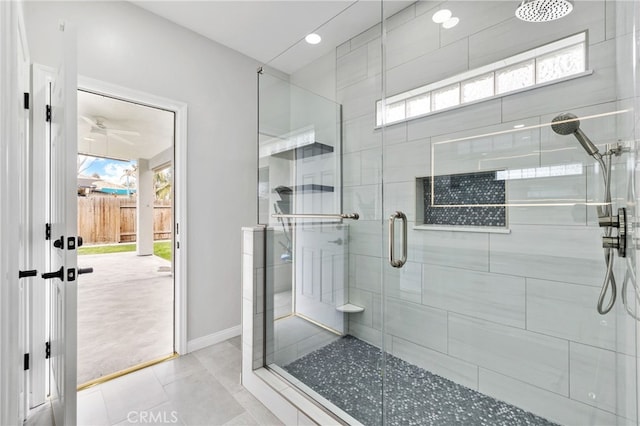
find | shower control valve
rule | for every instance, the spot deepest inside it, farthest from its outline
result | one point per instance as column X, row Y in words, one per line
column 611, row 242
column 618, row 242
column 606, row 220
column 614, row 221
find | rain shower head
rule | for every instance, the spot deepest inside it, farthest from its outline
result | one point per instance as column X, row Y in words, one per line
column 567, row 124
column 543, row 10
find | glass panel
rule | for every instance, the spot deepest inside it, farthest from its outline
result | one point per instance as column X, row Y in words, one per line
column 447, row 97
column 504, row 249
column 481, row 87
column 320, row 339
column 299, row 170
column 560, row 64
column 313, row 306
column 515, row 77
column 418, row 105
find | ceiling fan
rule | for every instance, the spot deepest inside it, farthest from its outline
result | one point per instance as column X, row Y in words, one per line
column 98, row 126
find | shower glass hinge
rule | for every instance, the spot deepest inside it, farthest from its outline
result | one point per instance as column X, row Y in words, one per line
column 618, row 242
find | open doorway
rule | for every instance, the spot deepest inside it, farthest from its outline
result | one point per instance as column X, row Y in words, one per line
column 125, row 216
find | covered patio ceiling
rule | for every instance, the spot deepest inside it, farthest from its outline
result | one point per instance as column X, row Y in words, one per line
column 113, row 128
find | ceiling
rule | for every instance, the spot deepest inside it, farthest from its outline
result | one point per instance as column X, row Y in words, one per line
column 112, row 128
column 270, row 31
column 264, row 29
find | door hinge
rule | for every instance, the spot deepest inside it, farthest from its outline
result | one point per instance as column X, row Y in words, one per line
column 26, row 362
column 47, row 350
column 48, row 116
column 26, row 100
column 47, row 231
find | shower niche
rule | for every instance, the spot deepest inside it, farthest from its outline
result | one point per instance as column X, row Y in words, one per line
column 462, row 200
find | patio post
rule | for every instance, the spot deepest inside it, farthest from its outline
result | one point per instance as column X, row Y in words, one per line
column 144, row 211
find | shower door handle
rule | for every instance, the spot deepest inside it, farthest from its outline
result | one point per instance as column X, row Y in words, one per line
column 397, row 263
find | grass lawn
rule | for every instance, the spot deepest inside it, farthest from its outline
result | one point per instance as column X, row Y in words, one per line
column 160, row 248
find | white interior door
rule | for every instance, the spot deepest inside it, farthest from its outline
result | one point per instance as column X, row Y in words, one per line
column 320, row 272
column 63, row 216
column 320, row 261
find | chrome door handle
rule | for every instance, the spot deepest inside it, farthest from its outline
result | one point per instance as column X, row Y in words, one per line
column 397, row 263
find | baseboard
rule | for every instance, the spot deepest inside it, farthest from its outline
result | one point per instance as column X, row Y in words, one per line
column 212, row 339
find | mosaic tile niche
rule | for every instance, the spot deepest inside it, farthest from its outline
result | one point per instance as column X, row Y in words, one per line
column 469, row 199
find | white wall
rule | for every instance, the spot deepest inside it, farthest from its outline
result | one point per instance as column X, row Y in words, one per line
column 122, row 44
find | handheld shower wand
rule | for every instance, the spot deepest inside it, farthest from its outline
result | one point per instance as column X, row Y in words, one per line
column 568, row 124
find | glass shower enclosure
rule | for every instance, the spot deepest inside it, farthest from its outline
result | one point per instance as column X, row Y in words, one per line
column 451, row 214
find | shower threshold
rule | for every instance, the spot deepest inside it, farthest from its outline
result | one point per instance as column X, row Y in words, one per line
column 348, row 373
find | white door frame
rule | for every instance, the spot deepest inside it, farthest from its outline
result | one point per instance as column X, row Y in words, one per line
column 180, row 198
column 26, row 251
column 10, row 365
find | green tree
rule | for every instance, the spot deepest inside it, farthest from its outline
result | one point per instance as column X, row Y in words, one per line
column 162, row 184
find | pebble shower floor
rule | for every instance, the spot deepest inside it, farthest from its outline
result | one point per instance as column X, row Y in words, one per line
column 348, row 373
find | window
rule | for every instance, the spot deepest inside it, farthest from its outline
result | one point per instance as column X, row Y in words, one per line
column 515, row 78
column 555, row 61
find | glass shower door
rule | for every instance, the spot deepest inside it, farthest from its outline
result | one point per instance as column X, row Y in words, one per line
column 493, row 319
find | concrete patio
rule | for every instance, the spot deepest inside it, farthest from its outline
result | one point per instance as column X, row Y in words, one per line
column 125, row 313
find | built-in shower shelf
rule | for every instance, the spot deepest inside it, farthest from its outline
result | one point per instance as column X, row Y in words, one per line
column 305, row 151
column 350, row 309
column 312, row 187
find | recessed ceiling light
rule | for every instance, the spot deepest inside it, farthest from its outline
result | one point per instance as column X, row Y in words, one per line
column 518, row 126
column 313, row 38
column 450, row 23
column 441, row 16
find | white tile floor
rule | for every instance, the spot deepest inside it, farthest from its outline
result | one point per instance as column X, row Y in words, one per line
column 201, row 388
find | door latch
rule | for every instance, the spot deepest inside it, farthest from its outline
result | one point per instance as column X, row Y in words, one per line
column 59, row 243
column 27, row 273
column 57, row 274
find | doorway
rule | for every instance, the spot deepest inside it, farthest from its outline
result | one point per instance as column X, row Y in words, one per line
column 125, row 216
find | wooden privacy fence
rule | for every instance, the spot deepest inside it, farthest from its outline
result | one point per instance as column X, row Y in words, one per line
column 104, row 220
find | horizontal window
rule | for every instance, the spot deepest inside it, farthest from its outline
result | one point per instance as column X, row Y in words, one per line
column 552, row 62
